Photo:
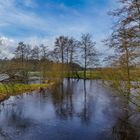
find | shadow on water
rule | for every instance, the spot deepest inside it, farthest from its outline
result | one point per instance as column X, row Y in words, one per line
column 83, row 109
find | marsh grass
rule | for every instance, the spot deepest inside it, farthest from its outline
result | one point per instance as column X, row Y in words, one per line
column 7, row 90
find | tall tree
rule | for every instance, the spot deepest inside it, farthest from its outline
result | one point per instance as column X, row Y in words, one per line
column 60, row 45
column 35, row 53
column 60, row 50
column 35, row 56
column 71, row 47
column 21, row 51
column 44, row 60
column 28, row 52
column 44, row 52
column 88, row 51
column 126, row 35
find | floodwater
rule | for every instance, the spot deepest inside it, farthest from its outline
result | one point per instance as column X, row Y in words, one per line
column 75, row 110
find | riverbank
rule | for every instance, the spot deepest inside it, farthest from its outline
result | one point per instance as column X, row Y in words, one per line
column 7, row 90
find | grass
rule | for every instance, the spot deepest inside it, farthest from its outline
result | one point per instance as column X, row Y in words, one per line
column 94, row 74
column 89, row 75
column 7, row 90
column 106, row 73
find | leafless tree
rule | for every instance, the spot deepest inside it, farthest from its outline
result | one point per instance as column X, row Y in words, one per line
column 125, row 39
column 88, row 51
column 44, row 51
column 21, row 51
column 60, row 47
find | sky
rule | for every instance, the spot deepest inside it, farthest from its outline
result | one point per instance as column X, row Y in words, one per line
column 41, row 21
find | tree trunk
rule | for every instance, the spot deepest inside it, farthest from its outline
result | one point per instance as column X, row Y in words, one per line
column 85, row 67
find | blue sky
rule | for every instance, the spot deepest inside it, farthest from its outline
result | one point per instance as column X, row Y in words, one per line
column 42, row 20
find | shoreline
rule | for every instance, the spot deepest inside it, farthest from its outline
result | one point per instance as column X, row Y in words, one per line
column 12, row 90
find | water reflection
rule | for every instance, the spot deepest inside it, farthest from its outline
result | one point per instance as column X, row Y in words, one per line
column 62, row 98
column 124, row 129
column 73, row 110
column 85, row 112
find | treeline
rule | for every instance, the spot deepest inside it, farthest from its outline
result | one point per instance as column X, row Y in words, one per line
column 71, row 55
column 67, row 56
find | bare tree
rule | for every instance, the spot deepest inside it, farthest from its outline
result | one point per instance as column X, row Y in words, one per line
column 35, row 56
column 20, row 52
column 125, row 39
column 88, row 51
column 44, row 52
column 44, row 62
column 72, row 45
column 60, row 45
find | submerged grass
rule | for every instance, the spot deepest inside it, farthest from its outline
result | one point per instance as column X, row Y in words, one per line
column 7, row 90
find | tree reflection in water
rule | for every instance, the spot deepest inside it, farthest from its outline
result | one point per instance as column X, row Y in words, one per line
column 123, row 128
column 86, row 112
column 62, row 97
column 65, row 108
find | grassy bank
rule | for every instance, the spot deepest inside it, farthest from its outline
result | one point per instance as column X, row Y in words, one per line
column 89, row 75
column 7, row 90
column 104, row 73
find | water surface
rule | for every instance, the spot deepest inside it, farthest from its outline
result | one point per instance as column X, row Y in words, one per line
column 75, row 110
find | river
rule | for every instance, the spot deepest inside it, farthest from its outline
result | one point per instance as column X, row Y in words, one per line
column 75, row 110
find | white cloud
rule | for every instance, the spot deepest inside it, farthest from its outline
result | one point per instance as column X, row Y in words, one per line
column 35, row 40
column 70, row 22
column 11, row 15
column 18, row 18
column 7, row 47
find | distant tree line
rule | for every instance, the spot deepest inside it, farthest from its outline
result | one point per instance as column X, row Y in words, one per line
column 68, row 52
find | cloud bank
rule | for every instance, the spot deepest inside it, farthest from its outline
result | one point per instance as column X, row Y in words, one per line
column 40, row 21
